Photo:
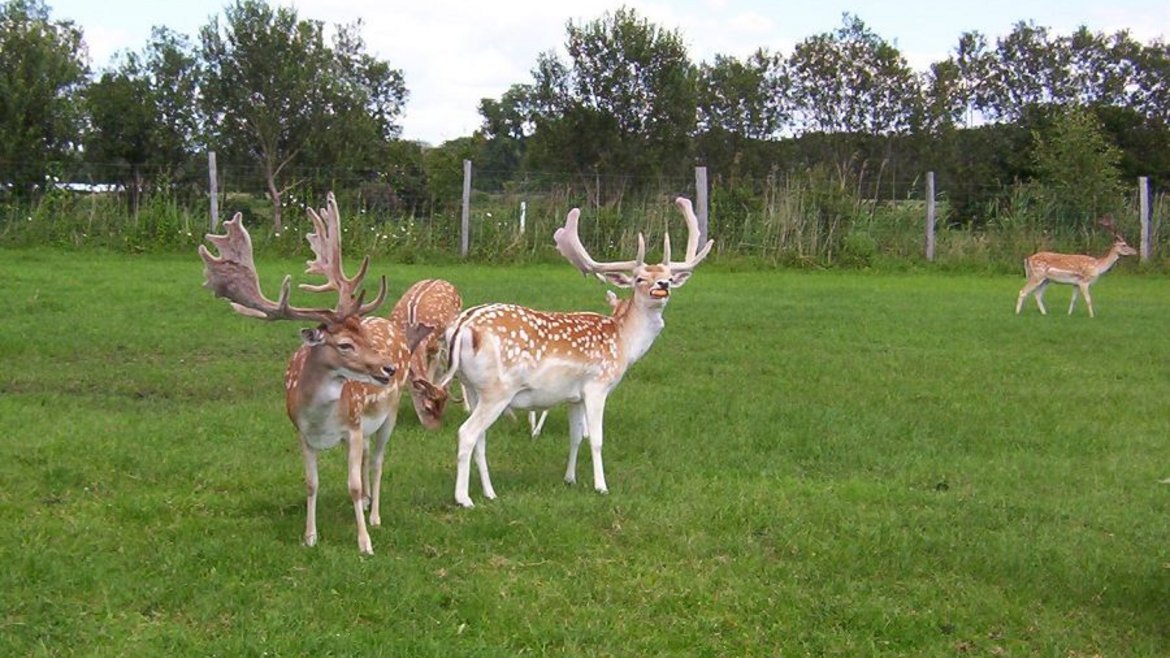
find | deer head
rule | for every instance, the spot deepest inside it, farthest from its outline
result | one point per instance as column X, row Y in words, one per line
column 650, row 282
column 339, row 339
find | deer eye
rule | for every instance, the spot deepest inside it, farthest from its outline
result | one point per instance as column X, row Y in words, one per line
column 640, row 279
column 345, row 347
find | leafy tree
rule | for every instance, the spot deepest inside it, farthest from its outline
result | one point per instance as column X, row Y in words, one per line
column 626, row 101
column 1078, row 167
column 42, row 70
column 744, row 98
column 123, row 119
column 275, row 91
column 140, row 113
column 741, row 104
column 852, row 81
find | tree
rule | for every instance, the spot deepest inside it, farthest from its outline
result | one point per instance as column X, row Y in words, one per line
column 852, row 81
column 274, row 90
column 42, row 71
column 626, row 102
column 140, row 115
column 1078, row 167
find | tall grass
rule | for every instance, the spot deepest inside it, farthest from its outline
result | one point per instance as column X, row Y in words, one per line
column 805, row 464
column 821, row 218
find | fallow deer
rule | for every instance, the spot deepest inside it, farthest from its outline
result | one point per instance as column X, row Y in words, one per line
column 617, row 307
column 343, row 384
column 434, row 303
column 512, row 357
column 1079, row 270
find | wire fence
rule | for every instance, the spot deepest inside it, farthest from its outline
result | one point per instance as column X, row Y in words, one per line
column 820, row 216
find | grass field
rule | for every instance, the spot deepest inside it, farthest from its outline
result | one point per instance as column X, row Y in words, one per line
column 805, row 464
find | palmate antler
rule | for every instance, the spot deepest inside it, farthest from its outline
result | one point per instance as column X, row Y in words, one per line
column 232, row 274
column 569, row 245
column 1107, row 223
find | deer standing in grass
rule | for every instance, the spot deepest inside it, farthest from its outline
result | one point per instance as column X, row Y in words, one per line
column 617, row 307
column 1079, row 270
column 432, row 303
column 512, row 357
column 343, row 384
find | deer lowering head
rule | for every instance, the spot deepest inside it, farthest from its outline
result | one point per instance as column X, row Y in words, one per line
column 434, row 303
column 1078, row 270
column 343, row 383
column 512, row 357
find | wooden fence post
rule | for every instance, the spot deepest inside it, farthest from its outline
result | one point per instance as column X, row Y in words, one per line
column 213, row 189
column 1144, row 216
column 930, row 216
column 701, row 202
column 466, row 218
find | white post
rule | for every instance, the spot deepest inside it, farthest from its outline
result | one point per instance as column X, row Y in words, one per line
column 930, row 216
column 701, row 202
column 523, row 210
column 213, row 189
column 466, row 219
column 1144, row 216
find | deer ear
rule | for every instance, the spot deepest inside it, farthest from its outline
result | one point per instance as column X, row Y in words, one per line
column 313, row 337
column 678, row 279
column 619, row 279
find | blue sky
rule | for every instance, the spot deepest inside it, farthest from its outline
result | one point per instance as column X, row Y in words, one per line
column 455, row 52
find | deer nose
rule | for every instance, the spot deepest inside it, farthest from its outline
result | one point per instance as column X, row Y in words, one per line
column 664, row 284
column 389, row 370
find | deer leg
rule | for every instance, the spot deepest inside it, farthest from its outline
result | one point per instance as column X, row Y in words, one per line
column 594, row 413
column 1072, row 304
column 576, row 432
column 310, row 456
column 1030, row 287
column 356, row 448
column 471, row 433
column 1040, row 296
column 535, row 424
column 1088, row 299
column 381, row 438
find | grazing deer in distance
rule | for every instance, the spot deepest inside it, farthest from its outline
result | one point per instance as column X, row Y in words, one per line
column 433, row 303
column 512, row 357
column 343, row 383
column 1079, row 270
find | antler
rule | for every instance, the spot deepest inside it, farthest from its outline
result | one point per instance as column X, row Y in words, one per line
column 569, row 244
column 1107, row 222
column 326, row 245
column 232, row 274
column 692, row 258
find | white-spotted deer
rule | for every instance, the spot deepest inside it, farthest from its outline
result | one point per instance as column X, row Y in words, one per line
column 1079, row 270
column 432, row 303
column 617, row 307
column 343, row 384
column 512, row 357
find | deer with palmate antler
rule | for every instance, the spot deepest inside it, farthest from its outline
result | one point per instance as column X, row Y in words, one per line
column 512, row 357
column 1079, row 270
column 344, row 383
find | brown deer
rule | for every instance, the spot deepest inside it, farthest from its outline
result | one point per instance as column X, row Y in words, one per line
column 343, row 384
column 617, row 308
column 1079, row 270
column 433, row 303
column 512, row 357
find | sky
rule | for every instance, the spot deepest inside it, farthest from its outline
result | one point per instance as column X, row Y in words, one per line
column 455, row 52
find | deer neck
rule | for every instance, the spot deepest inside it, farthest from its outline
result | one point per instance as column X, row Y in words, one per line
column 1108, row 260
column 639, row 327
column 312, row 384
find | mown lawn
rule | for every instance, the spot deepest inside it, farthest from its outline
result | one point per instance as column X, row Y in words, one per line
column 821, row 464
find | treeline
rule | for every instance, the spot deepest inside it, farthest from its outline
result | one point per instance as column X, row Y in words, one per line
column 1075, row 116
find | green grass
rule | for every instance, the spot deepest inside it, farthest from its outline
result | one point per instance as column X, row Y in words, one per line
column 821, row 464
